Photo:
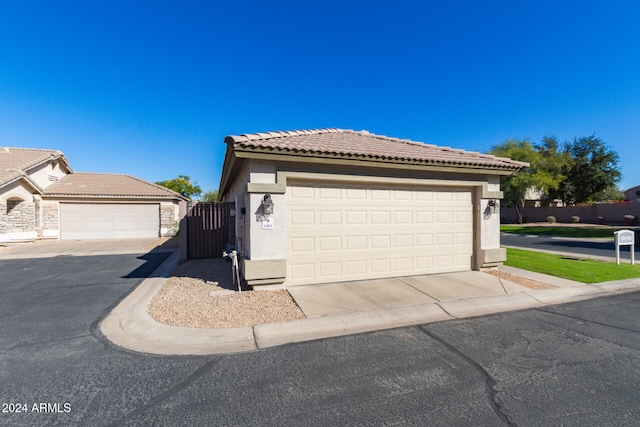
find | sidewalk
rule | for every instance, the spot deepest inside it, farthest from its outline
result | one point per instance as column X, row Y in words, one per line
column 346, row 308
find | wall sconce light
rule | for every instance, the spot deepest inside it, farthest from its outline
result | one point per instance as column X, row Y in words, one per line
column 267, row 205
column 493, row 205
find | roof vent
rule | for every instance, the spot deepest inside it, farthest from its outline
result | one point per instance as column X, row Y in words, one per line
column 52, row 178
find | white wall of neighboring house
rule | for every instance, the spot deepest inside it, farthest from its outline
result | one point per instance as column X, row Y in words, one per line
column 46, row 174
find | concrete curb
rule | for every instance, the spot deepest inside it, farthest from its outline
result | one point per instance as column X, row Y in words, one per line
column 130, row 326
column 473, row 307
column 312, row 328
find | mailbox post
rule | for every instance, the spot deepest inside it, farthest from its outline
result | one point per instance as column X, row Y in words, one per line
column 624, row 238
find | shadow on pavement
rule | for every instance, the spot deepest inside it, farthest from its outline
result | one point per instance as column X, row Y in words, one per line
column 153, row 261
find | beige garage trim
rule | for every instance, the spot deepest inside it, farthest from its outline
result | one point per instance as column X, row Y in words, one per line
column 346, row 231
column 109, row 220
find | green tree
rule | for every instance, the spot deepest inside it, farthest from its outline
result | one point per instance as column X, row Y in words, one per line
column 553, row 164
column 210, row 196
column 182, row 185
column 593, row 169
column 535, row 176
column 609, row 194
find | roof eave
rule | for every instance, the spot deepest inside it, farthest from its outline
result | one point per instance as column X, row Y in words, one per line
column 297, row 156
column 230, row 164
column 108, row 196
column 23, row 177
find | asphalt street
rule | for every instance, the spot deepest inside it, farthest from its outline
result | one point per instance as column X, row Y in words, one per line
column 575, row 364
column 590, row 247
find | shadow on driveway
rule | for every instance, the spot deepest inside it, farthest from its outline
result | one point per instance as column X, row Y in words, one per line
column 153, row 260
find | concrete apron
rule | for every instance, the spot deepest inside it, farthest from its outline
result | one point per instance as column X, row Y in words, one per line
column 364, row 295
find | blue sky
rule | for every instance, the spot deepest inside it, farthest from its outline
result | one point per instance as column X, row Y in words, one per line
column 151, row 88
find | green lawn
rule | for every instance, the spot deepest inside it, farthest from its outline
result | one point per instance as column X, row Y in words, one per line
column 561, row 231
column 585, row 271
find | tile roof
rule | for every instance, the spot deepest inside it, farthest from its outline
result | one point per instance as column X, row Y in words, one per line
column 103, row 185
column 340, row 143
column 15, row 161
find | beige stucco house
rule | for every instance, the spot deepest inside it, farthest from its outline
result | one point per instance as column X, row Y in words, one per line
column 42, row 197
column 328, row 205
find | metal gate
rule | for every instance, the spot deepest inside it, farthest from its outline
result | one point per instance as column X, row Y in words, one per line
column 210, row 227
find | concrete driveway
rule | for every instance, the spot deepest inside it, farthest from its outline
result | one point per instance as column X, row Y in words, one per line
column 364, row 295
column 52, row 248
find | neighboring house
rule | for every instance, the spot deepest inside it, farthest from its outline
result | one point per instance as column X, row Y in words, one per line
column 533, row 199
column 633, row 194
column 41, row 197
column 349, row 205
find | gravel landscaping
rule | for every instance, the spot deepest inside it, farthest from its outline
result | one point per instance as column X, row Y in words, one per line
column 200, row 294
column 529, row 283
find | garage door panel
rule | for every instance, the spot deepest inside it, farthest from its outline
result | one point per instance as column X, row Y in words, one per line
column 424, row 240
column 375, row 232
column 356, row 217
column 355, row 194
column 424, row 263
column 356, row 267
column 330, row 270
column 380, row 217
column 380, row 194
column 354, row 243
column 109, row 220
column 381, row 267
column 330, row 243
column 300, row 271
column 328, row 218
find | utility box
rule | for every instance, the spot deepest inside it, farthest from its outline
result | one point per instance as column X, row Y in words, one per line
column 625, row 238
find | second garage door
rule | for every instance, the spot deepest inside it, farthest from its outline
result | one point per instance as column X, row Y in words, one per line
column 109, row 220
column 342, row 232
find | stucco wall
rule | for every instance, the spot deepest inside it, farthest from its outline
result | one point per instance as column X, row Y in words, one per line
column 490, row 218
column 266, row 243
column 16, row 190
column 237, row 194
column 46, row 174
column 260, row 244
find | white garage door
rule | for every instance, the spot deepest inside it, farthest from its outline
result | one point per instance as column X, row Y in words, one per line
column 109, row 221
column 348, row 232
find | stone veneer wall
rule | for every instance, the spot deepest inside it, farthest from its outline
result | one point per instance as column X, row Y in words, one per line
column 50, row 216
column 3, row 217
column 20, row 216
column 167, row 220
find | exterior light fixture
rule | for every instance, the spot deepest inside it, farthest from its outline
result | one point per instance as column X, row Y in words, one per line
column 493, row 205
column 267, row 205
